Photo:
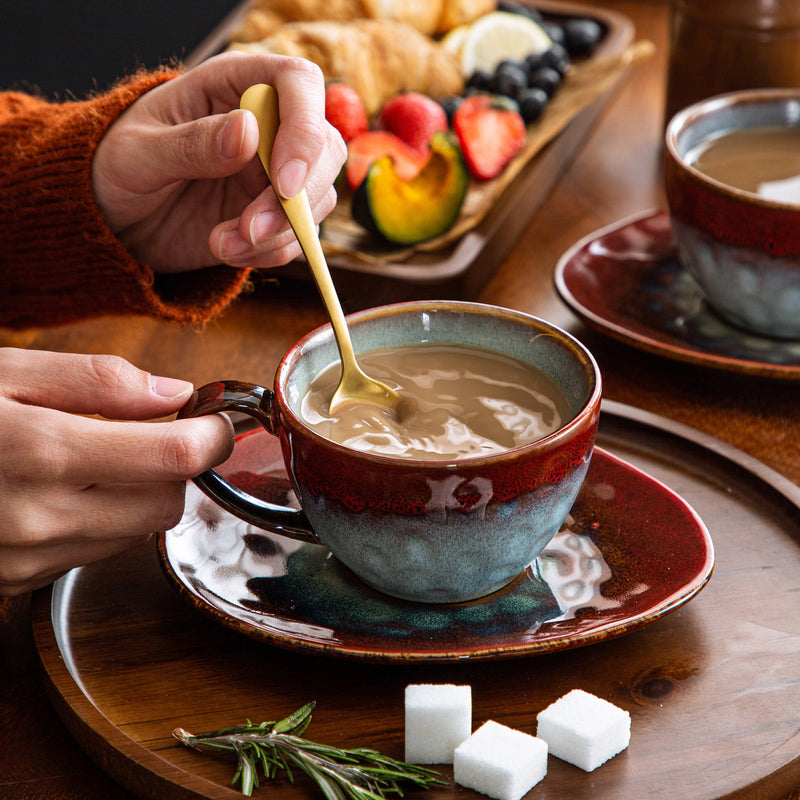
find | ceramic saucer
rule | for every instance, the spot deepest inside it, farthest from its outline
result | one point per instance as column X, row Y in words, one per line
column 626, row 281
column 631, row 551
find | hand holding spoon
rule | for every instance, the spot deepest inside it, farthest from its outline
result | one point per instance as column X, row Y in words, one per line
column 355, row 386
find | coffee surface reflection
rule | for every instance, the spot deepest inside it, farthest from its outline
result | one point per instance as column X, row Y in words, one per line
column 460, row 402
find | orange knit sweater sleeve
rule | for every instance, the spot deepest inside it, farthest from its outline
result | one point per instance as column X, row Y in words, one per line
column 58, row 261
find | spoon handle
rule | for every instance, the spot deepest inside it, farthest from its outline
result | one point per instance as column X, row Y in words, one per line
column 262, row 100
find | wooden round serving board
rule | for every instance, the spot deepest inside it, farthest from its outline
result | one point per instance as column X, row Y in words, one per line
column 713, row 688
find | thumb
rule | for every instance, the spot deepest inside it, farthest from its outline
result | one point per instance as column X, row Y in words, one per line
column 210, row 147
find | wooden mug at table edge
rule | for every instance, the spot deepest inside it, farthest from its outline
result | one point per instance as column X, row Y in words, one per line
column 489, row 516
column 718, row 46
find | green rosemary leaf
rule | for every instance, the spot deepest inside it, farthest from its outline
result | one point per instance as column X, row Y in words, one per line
column 245, row 772
column 330, row 789
column 297, row 722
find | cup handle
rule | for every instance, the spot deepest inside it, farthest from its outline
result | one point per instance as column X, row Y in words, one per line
column 255, row 401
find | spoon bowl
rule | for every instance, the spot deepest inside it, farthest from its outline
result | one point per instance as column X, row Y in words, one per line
column 355, row 385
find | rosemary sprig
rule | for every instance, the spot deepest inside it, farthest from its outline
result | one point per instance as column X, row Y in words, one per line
column 355, row 774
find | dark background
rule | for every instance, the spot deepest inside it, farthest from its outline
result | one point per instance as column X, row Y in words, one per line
column 66, row 48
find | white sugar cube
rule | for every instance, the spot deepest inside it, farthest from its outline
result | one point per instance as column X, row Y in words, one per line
column 500, row 762
column 583, row 729
column 438, row 719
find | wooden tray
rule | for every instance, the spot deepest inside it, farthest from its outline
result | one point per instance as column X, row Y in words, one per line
column 713, row 688
column 460, row 269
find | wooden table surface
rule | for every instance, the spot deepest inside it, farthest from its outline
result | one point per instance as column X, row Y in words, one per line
column 616, row 174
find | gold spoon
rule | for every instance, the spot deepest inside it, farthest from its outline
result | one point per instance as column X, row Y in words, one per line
column 355, row 386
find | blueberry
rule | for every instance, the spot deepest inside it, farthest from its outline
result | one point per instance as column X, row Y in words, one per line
column 480, row 80
column 509, row 79
column 554, row 31
column 517, row 7
column 546, row 79
column 532, row 103
column 556, row 57
column 508, row 63
column 533, row 62
column 581, row 35
column 450, row 106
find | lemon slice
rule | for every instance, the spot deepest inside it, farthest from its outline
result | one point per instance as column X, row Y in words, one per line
column 453, row 40
column 500, row 35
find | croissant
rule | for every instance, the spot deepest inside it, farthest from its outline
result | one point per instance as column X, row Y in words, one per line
column 265, row 17
column 377, row 58
column 462, row 12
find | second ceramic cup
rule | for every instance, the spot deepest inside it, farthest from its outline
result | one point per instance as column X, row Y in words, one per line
column 743, row 248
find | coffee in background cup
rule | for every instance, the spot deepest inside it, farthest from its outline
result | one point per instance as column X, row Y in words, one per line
column 764, row 160
column 450, row 528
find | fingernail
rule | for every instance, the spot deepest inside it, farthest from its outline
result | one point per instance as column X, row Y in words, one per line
column 231, row 139
column 231, row 244
column 170, row 387
column 264, row 225
column 291, row 177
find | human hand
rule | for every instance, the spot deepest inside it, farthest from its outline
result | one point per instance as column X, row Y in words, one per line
column 177, row 178
column 75, row 489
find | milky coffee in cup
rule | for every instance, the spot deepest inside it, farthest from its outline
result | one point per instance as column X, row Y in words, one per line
column 764, row 160
column 458, row 402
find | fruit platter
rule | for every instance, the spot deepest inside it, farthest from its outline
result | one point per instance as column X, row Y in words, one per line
column 456, row 128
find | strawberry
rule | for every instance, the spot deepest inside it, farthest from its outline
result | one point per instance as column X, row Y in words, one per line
column 345, row 110
column 414, row 117
column 366, row 148
column 490, row 131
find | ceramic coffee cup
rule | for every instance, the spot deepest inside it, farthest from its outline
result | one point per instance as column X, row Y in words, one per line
column 421, row 530
column 743, row 248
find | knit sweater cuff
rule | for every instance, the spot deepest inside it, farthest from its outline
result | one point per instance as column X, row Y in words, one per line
column 59, row 262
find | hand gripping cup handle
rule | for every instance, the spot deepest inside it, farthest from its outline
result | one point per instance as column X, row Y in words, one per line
column 256, row 402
